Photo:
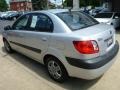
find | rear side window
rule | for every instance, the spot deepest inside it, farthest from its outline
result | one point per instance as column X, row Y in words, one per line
column 104, row 15
column 41, row 23
column 77, row 20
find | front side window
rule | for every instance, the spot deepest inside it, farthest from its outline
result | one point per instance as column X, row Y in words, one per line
column 77, row 20
column 21, row 24
column 41, row 23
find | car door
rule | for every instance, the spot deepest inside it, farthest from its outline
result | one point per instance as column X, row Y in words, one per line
column 15, row 35
column 37, row 36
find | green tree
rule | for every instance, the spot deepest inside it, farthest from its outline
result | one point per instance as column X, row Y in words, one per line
column 39, row 4
column 69, row 3
column 3, row 5
column 93, row 2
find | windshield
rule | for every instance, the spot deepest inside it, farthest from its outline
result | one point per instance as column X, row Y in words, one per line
column 77, row 20
column 104, row 15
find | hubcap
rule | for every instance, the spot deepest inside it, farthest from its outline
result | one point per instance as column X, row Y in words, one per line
column 54, row 69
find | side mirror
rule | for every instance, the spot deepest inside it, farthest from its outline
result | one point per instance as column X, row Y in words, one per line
column 7, row 28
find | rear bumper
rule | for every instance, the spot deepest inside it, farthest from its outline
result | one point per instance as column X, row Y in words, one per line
column 91, row 69
column 96, row 62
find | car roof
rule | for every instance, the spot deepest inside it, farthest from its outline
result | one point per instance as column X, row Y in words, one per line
column 54, row 11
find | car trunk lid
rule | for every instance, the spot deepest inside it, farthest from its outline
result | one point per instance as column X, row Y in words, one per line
column 103, row 34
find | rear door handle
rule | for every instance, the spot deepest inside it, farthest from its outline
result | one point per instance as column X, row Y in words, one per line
column 20, row 35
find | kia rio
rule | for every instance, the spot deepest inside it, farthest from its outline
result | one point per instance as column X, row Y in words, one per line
column 67, row 42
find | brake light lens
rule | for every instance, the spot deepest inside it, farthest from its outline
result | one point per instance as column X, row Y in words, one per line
column 86, row 47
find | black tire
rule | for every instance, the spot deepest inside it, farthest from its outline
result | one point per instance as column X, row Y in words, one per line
column 61, row 72
column 7, row 46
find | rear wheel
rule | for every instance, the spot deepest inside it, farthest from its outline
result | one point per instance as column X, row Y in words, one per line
column 7, row 46
column 56, row 69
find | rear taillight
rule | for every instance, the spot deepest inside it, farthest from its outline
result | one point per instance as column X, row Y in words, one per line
column 86, row 47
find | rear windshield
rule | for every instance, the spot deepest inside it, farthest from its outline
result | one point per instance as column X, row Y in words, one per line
column 77, row 20
column 104, row 15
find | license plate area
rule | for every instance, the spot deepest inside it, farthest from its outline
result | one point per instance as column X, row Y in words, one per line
column 109, row 41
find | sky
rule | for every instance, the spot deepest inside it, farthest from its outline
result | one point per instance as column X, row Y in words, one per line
column 58, row 2
column 7, row 1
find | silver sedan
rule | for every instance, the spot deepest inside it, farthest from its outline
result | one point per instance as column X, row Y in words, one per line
column 67, row 42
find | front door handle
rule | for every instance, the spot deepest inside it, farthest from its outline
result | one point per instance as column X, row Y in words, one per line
column 44, row 39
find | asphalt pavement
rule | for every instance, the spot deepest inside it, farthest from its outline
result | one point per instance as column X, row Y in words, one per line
column 18, row 72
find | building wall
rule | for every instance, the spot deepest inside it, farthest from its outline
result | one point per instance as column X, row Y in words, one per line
column 21, row 6
column 115, row 5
